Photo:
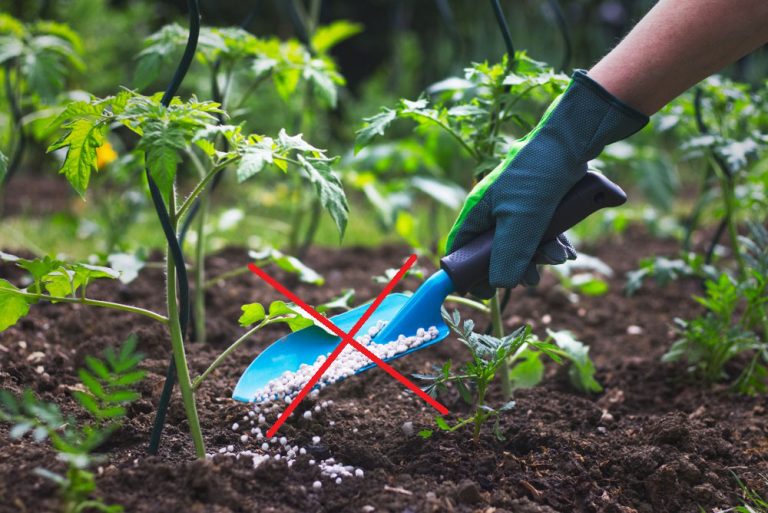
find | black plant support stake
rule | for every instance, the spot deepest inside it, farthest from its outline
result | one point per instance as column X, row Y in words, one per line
column 562, row 25
column 505, row 34
column 170, row 235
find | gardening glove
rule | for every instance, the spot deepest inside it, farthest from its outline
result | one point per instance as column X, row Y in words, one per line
column 520, row 195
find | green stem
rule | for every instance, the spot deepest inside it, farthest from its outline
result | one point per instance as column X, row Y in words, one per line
column 498, row 332
column 456, row 136
column 223, row 356
column 90, row 302
column 469, row 302
column 177, row 344
column 199, row 300
column 199, row 292
column 225, row 276
column 730, row 216
column 200, row 187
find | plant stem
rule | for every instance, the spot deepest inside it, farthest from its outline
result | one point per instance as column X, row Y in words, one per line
column 225, row 276
column 199, row 299
column 91, row 302
column 469, row 302
column 177, row 344
column 200, row 187
column 729, row 197
column 219, row 359
column 474, row 154
column 498, row 332
column 199, row 304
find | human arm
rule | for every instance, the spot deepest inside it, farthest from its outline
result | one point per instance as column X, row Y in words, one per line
column 677, row 44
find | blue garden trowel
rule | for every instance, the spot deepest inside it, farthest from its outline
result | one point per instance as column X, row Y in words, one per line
column 404, row 314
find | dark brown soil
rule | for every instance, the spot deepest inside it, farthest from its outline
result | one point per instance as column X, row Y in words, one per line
column 653, row 441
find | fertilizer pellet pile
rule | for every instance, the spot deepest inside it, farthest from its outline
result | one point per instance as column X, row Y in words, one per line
column 258, row 448
column 349, row 361
column 253, row 426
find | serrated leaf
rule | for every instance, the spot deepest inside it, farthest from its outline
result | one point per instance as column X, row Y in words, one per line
column 322, row 81
column 375, row 125
column 162, row 162
column 12, row 305
column 88, row 402
column 254, row 158
column 252, row 314
column 84, row 136
column 97, row 366
column 121, row 396
column 442, row 424
column 582, row 373
column 328, row 188
column 295, row 142
column 91, row 383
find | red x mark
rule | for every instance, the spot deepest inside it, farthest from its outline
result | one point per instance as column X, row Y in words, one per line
column 346, row 338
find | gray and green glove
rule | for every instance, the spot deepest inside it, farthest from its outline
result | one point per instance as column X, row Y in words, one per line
column 520, row 195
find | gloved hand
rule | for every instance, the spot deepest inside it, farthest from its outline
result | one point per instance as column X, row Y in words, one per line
column 520, row 195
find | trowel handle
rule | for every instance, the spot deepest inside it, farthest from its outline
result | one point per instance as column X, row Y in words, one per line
column 469, row 264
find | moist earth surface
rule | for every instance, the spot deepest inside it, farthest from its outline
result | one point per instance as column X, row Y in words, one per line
column 652, row 441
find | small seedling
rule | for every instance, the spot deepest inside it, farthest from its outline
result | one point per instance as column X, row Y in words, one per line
column 108, row 386
column 735, row 316
column 489, row 356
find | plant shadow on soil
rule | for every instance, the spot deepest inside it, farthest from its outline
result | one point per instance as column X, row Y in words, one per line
column 651, row 442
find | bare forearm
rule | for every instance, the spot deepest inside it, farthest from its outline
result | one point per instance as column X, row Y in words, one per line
column 677, row 44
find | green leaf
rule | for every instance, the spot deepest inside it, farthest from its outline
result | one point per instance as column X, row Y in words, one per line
column 83, row 137
column 61, row 282
column 288, row 263
column 97, row 366
column 254, row 158
column 374, row 125
column 122, row 396
column 39, row 267
column 295, row 317
column 328, row 36
column 12, row 306
column 447, row 193
column 252, row 314
column 589, row 284
column 340, row 302
column 88, row 402
column 162, row 161
column 328, row 188
column 528, row 370
column 582, row 373
column 92, row 384
column 296, row 142
column 323, row 81
column 442, row 424
column 426, row 433
column 130, row 378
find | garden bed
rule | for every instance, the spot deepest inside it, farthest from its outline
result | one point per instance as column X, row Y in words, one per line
column 651, row 442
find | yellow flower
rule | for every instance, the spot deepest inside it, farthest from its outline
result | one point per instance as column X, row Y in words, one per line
column 105, row 154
